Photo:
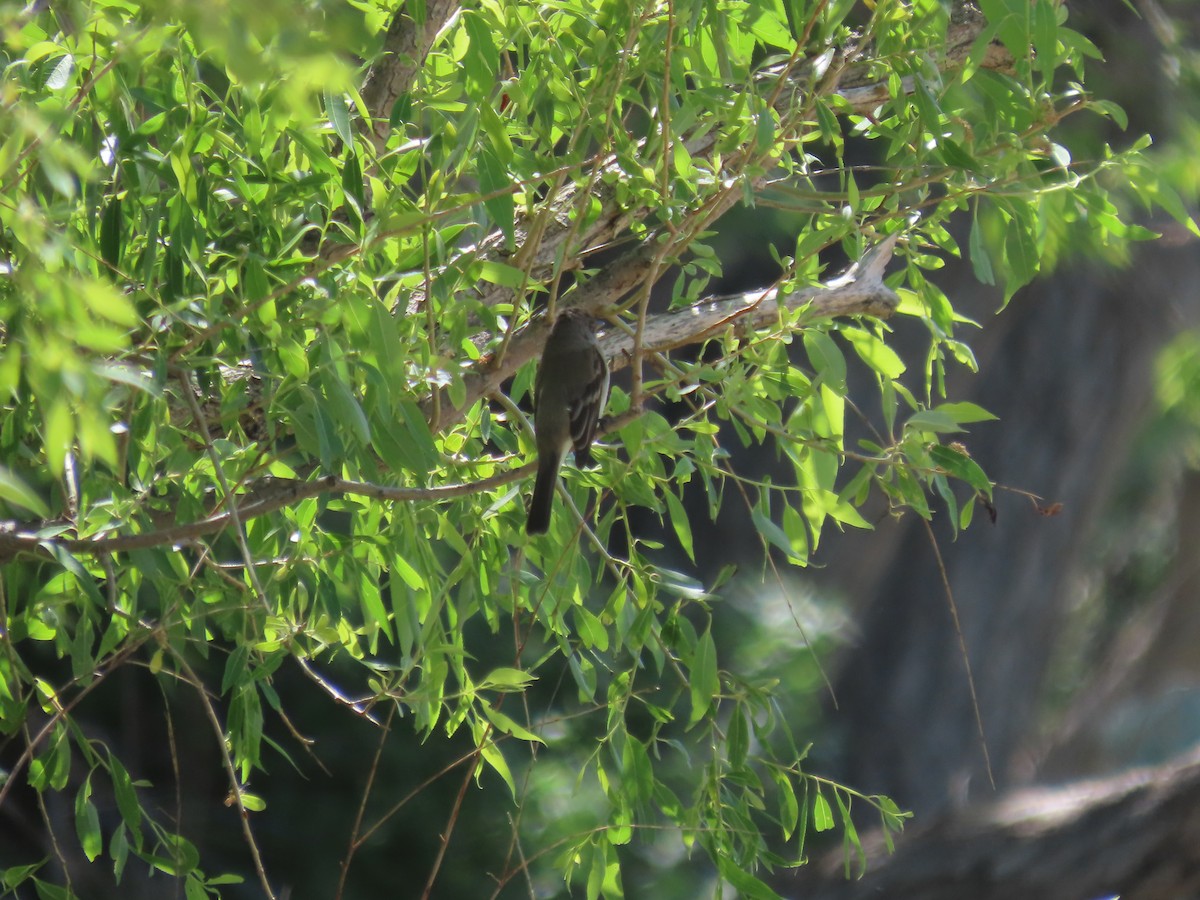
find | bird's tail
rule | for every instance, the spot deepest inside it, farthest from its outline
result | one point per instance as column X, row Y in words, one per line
column 543, row 497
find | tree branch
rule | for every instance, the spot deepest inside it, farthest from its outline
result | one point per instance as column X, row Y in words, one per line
column 261, row 498
column 858, row 291
column 852, row 79
column 405, row 47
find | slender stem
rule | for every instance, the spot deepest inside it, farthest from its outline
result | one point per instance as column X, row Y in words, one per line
column 235, row 786
column 962, row 647
column 354, row 844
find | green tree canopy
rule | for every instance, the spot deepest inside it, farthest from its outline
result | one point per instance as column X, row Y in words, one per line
column 273, row 277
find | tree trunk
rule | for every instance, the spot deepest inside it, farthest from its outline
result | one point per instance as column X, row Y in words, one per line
column 1070, row 379
column 1136, row 836
column 1069, row 370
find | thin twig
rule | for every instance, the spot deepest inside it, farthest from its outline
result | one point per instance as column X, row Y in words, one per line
column 962, row 647
column 358, row 707
column 178, row 776
column 470, row 756
column 444, row 844
column 235, row 786
column 227, row 492
column 353, row 844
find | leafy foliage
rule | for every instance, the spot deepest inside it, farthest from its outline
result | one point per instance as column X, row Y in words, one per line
column 255, row 331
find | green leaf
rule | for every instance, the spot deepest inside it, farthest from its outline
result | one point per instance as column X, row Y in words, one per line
column 789, row 808
column 407, row 573
column 737, row 739
column 960, row 465
column 343, row 407
column 252, row 802
column 87, row 822
column 1011, row 21
column 838, row 509
column 1045, row 36
column 764, row 133
column 933, row 420
column 679, row 521
column 965, row 413
column 875, row 353
column 704, row 679
column 118, row 849
column 981, row 260
column 419, row 451
column 493, row 757
column 826, row 358
column 638, row 770
column 47, row 891
column 956, row 156
column 501, row 274
column 967, row 514
column 111, row 234
column 245, row 725
column 226, row 879
column 17, row 492
column 822, row 813
column 1106, row 107
column 850, row 839
column 508, row 726
column 52, row 768
column 592, row 632
column 193, row 888
column 177, row 856
column 604, row 875
column 339, row 116
column 15, row 875
column 584, row 674
column 59, row 434
column 374, row 612
column 481, row 62
column 236, row 668
column 1022, row 255
column 506, row 680
column 127, row 802
column 743, row 882
column 352, row 186
column 777, row 537
column 498, row 195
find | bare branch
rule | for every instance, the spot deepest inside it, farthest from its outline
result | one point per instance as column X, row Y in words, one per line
column 859, row 291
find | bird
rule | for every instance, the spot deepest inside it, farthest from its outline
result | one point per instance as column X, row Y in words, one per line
column 568, row 395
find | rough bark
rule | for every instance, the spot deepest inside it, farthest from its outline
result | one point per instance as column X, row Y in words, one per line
column 405, row 47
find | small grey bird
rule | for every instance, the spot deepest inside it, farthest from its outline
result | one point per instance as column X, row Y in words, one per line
column 569, row 395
